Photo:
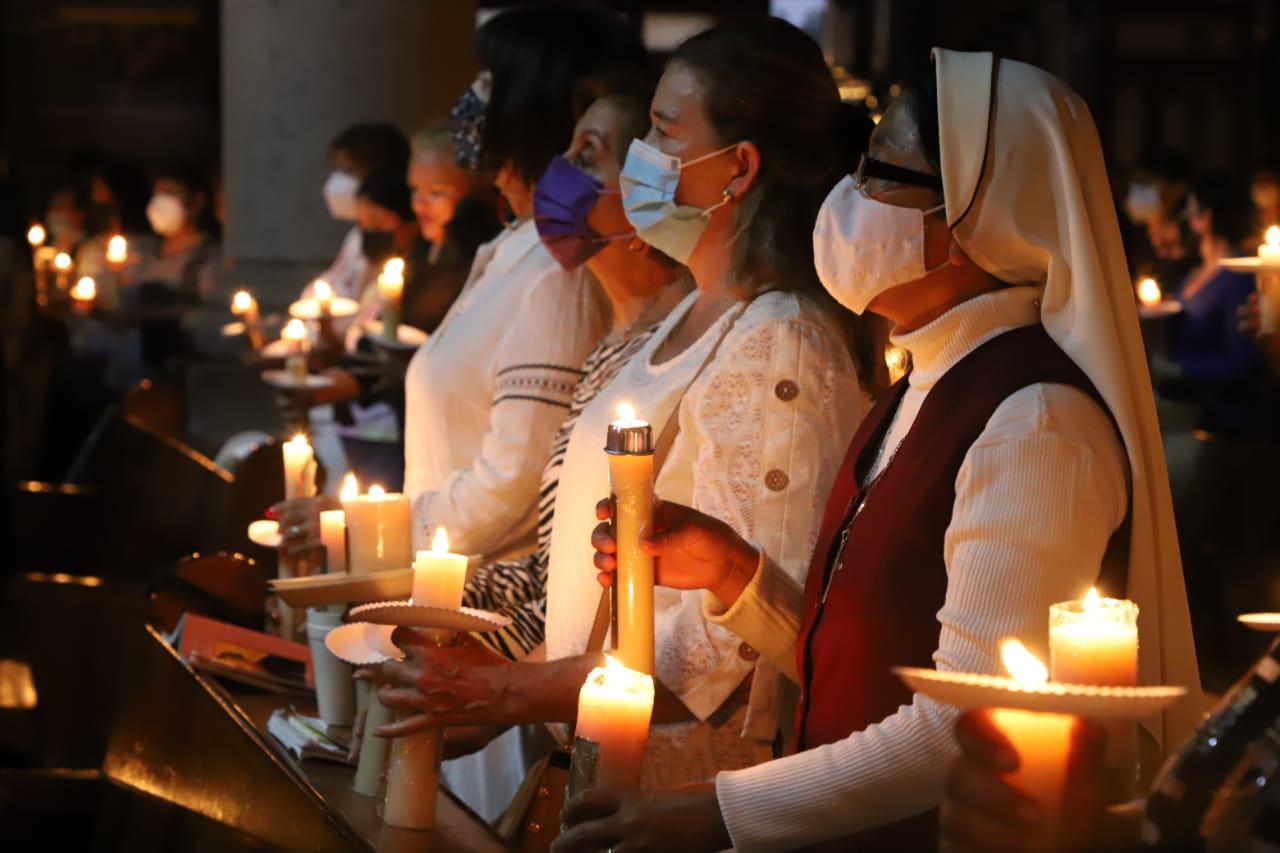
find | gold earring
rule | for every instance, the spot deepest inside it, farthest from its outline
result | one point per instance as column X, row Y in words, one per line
column 727, row 197
column 636, row 244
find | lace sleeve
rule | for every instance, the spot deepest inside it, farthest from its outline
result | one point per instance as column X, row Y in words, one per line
column 771, row 417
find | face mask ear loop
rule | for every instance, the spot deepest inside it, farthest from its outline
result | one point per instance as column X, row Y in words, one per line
column 696, row 160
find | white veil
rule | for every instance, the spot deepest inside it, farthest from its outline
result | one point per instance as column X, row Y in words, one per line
column 1028, row 200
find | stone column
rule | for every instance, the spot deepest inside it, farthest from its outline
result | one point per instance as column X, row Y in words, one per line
column 294, row 73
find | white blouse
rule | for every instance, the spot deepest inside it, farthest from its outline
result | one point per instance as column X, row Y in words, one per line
column 1038, row 496
column 486, row 393
column 762, row 431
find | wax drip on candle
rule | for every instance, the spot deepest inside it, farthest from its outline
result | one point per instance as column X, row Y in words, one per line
column 1022, row 665
column 350, row 488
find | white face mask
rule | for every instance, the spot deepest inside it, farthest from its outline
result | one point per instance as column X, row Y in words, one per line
column 863, row 247
column 166, row 213
column 340, row 195
column 1143, row 204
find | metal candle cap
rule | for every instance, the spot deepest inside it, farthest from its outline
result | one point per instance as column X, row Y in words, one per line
column 629, row 438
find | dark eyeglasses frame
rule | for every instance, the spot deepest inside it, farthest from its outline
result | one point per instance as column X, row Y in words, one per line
column 869, row 167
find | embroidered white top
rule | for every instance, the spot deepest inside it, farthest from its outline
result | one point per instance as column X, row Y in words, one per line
column 1037, row 498
column 761, row 433
column 486, row 393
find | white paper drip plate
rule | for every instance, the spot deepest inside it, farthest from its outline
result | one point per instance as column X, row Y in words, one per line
column 1250, row 263
column 363, row 643
column 309, row 309
column 283, row 379
column 969, row 690
column 266, row 533
column 407, row 337
column 343, row 588
column 1269, row 622
column 1167, row 308
column 412, row 615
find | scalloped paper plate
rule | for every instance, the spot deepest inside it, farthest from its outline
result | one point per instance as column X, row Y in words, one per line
column 309, row 309
column 407, row 337
column 235, row 327
column 282, row 379
column 265, row 532
column 363, row 643
column 415, row 616
column 969, row 690
column 1269, row 622
column 1167, row 308
column 1250, row 263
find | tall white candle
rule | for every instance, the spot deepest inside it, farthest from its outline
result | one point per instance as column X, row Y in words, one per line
column 391, row 289
column 438, row 576
column 614, row 709
column 333, row 535
column 378, row 533
column 299, row 468
column 629, row 445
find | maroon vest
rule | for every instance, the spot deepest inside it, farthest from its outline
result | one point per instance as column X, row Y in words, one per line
column 880, row 608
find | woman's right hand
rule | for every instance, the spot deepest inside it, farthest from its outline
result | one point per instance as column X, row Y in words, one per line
column 299, row 520
column 691, row 550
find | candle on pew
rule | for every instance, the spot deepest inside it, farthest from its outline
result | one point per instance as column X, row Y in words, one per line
column 323, row 294
column 295, row 364
column 333, row 535
column 83, row 294
column 1041, row 740
column 62, row 271
column 378, row 532
column 299, row 468
column 614, row 709
column 413, row 777
column 629, row 444
column 391, row 289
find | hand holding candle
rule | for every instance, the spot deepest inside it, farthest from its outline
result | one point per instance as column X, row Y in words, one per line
column 629, row 444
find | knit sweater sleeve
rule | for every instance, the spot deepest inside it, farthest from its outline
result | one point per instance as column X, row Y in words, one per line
column 1037, row 499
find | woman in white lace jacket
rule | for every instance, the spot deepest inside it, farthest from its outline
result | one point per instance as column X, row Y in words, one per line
column 759, row 377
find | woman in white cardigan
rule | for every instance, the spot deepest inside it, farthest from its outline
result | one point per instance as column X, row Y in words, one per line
column 994, row 246
column 755, row 373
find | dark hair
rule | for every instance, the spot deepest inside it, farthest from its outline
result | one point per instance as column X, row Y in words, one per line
column 1228, row 199
column 387, row 188
column 631, row 91
column 1165, row 164
column 535, row 55
column 921, row 96
column 765, row 81
column 372, row 146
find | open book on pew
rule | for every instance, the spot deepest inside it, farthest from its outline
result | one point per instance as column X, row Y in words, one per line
column 309, row 737
column 244, row 656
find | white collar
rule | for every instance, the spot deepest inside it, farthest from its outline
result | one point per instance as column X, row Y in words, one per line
column 936, row 347
column 514, row 245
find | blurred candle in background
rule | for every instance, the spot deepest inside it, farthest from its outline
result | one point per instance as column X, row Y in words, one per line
column 299, row 468
column 1149, row 293
column 117, row 251
column 62, row 268
column 333, row 535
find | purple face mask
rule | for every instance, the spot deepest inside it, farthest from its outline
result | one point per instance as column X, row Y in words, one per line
column 562, row 198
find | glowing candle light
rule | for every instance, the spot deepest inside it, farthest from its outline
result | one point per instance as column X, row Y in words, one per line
column 438, row 576
column 614, row 709
column 323, row 293
column 36, row 235
column 299, row 468
column 629, row 445
column 1041, row 740
column 295, row 333
column 333, row 536
column 897, row 360
column 391, row 289
column 1149, row 293
column 62, row 268
column 1269, row 249
column 84, row 292
column 1094, row 641
column 117, row 250
column 1268, row 282
column 379, row 535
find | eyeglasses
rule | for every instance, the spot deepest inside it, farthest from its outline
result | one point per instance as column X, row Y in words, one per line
column 870, row 167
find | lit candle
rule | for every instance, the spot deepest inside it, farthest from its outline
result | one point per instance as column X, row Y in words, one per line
column 324, row 296
column 84, row 292
column 438, row 576
column 299, row 468
column 614, row 708
column 36, row 235
column 897, row 360
column 333, row 535
column 378, row 532
column 1149, row 292
column 1094, row 641
column 62, row 267
column 295, row 364
column 1042, row 741
column 629, row 444
column 117, row 251
column 1268, row 282
column 391, row 289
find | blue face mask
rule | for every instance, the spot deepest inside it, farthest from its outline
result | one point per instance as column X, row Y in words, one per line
column 649, row 179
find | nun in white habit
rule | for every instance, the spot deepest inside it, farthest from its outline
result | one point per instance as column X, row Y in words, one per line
column 1019, row 234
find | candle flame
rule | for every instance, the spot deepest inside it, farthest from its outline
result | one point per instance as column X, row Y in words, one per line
column 350, row 487
column 1092, row 601
column 1149, row 292
column 241, row 302
column 294, row 330
column 62, row 261
column 117, row 249
column 440, row 542
column 393, row 267
column 613, row 666
column 322, row 290
column 299, row 440
column 376, row 492
column 36, row 235
column 85, row 290
column 626, row 412
column 1273, row 235
column 1021, row 664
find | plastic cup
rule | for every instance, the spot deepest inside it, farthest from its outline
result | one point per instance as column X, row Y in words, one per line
column 334, row 686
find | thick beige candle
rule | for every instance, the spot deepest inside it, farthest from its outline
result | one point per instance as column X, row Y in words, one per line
column 630, row 449
column 413, row 776
column 1094, row 641
column 378, row 535
column 614, row 709
column 438, row 576
column 333, row 535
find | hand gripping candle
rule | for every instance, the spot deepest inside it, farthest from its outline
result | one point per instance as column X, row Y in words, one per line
column 629, row 444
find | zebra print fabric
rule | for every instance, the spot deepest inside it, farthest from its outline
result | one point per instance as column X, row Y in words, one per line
column 517, row 588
